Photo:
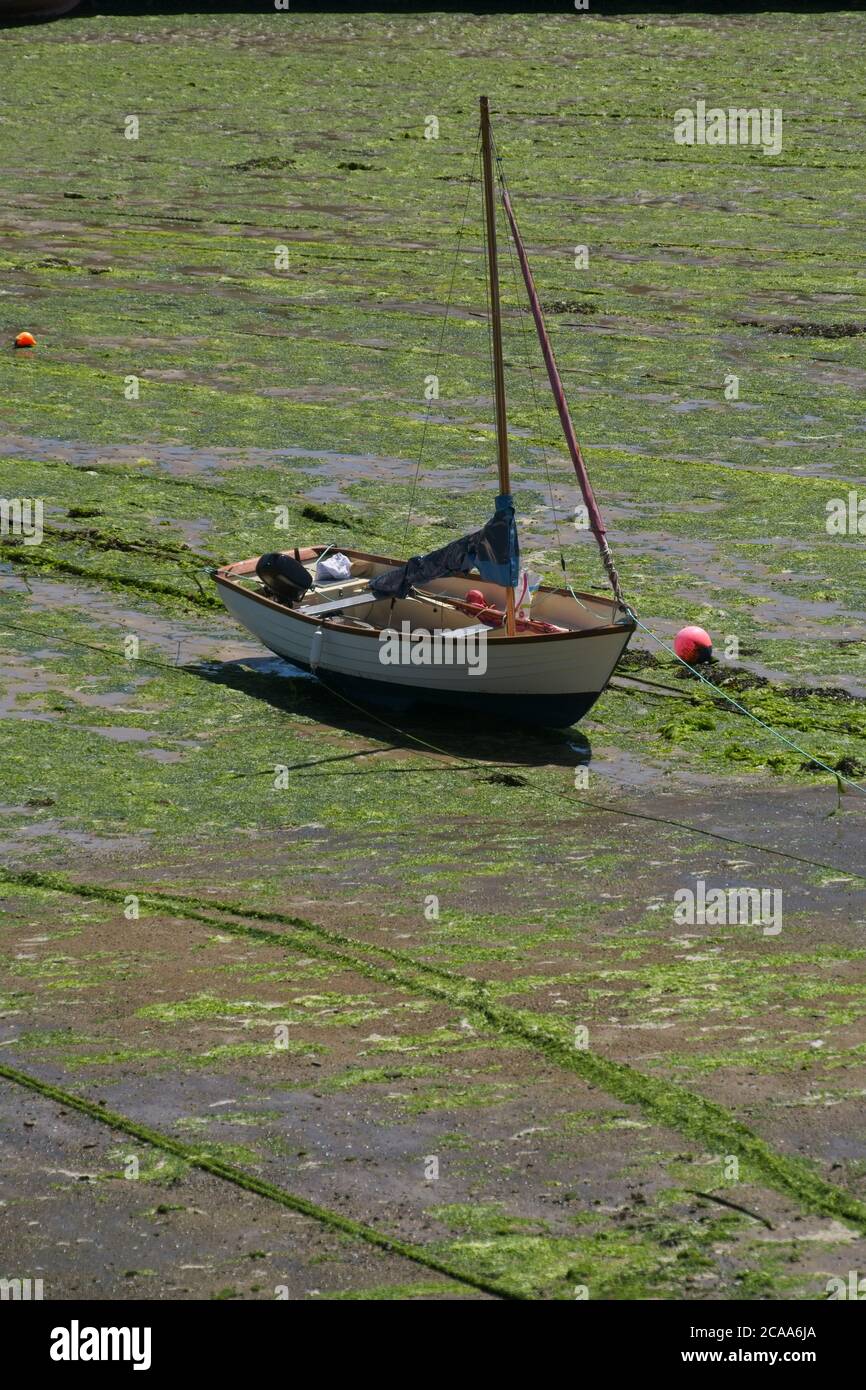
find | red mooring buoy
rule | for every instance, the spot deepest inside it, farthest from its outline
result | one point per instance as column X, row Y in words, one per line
column 693, row 645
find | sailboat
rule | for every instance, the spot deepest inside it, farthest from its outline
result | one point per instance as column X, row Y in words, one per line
column 459, row 626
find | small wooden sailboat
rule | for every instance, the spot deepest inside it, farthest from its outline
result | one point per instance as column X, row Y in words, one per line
column 447, row 627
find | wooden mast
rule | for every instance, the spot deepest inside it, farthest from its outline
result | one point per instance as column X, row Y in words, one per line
column 496, row 332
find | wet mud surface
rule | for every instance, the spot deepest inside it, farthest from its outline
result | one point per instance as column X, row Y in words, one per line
column 428, row 976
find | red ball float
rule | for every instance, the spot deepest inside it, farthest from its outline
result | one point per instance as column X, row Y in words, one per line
column 693, row 645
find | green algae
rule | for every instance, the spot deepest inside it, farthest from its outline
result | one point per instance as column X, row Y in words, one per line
column 233, row 1052
column 728, row 985
column 168, row 1159
column 226, row 1153
column 439, row 1042
column 653, row 1254
column 680, row 279
column 658, row 1258
column 680, row 1109
column 769, row 1060
column 374, row 1076
column 118, row 1056
column 490, row 1219
column 448, row 1096
column 164, row 1170
column 204, row 1006
column 244, row 1118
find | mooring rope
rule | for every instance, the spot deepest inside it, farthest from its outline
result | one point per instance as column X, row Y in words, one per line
column 606, row 807
column 834, row 772
column 474, row 765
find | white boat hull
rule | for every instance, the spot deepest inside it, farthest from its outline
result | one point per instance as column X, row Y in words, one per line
column 541, row 678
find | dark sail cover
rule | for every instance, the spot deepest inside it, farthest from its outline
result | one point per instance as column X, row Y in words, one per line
column 493, row 551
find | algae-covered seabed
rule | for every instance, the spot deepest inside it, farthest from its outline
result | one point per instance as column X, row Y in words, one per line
column 291, row 1010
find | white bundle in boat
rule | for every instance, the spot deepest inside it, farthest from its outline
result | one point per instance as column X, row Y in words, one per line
column 333, row 567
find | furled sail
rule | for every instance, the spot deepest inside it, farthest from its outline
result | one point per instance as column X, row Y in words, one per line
column 494, row 551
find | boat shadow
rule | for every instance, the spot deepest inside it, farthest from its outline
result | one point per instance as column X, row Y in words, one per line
column 454, row 732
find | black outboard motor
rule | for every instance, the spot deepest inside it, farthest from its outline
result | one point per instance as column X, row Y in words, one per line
column 284, row 577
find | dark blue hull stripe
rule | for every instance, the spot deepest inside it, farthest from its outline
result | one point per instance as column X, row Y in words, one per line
column 547, row 711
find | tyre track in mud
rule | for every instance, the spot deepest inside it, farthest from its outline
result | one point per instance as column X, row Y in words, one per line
column 665, row 1103
column 241, row 1177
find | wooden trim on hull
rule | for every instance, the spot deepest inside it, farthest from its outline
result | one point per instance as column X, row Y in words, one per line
column 225, row 576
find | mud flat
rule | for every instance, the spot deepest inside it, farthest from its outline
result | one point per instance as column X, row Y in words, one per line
column 314, row 1085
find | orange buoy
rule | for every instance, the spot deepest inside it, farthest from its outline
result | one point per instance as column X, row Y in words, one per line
column 25, row 340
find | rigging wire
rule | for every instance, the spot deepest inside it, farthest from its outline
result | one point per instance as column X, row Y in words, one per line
column 441, row 341
column 568, row 428
column 530, row 372
column 840, row 778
